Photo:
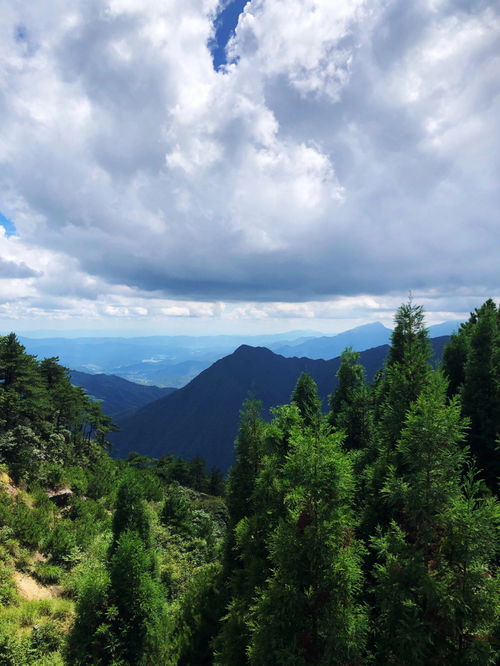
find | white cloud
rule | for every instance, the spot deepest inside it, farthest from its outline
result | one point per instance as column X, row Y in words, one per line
column 350, row 151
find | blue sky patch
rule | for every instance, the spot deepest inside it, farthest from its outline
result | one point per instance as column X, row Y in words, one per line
column 225, row 25
column 20, row 33
column 8, row 225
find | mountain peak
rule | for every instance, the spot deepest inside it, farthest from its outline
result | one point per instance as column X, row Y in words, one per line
column 248, row 350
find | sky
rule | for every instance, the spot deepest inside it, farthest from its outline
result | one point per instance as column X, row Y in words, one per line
column 198, row 166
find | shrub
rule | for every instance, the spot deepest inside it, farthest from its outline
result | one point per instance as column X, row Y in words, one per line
column 48, row 574
column 45, row 638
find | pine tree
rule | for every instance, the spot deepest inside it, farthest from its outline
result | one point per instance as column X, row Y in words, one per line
column 25, row 401
column 308, row 611
column 433, row 592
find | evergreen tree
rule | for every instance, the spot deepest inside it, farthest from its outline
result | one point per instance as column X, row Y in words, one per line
column 406, row 373
column 136, row 595
column 232, row 640
column 305, row 396
column 309, row 611
column 129, row 615
column 24, row 401
column 433, row 592
column 407, row 369
column 481, row 391
column 257, row 513
column 176, row 513
column 216, row 485
column 350, row 404
column 455, row 357
column 131, row 512
column 471, row 362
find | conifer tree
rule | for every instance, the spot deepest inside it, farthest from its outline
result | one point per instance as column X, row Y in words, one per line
column 350, row 404
column 309, row 611
column 405, row 375
column 471, row 362
column 305, row 396
column 407, row 369
column 481, row 391
column 232, row 640
column 259, row 510
column 434, row 598
column 24, row 402
column 131, row 512
column 137, row 597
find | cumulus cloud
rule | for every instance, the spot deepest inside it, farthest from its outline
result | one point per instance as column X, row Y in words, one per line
column 349, row 150
column 11, row 269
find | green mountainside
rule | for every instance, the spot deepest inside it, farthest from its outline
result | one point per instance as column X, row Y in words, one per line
column 201, row 419
column 117, row 395
column 360, row 531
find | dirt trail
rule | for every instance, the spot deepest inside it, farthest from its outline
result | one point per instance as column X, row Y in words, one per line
column 31, row 590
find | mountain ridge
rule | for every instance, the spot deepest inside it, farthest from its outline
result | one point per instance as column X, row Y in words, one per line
column 201, row 419
column 117, row 394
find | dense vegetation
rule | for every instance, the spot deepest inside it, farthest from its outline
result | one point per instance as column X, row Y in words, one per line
column 362, row 536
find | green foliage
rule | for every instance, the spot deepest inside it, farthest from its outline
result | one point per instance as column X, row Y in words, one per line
column 351, row 403
column 90, row 641
column 137, row 597
column 305, row 396
column 481, row 390
column 309, row 610
column 358, row 538
column 176, row 513
column 407, row 370
column 131, row 512
column 434, row 601
column 46, row 421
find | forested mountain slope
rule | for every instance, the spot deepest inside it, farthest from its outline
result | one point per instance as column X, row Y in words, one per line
column 363, row 533
column 116, row 394
column 201, row 418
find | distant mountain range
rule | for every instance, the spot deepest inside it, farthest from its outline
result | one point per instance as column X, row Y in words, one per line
column 359, row 338
column 202, row 417
column 154, row 360
column 173, row 361
column 117, row 395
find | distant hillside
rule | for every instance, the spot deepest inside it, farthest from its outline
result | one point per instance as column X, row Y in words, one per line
column 331, row 346
column 202, row 418
column 359, row 338
column 165, row 373
column 117, row 395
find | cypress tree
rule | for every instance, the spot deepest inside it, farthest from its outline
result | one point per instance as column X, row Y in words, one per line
column 481, row 391
column 230, row 644
column 305, row 396
column 131, row 512
column 350, row 404
column 471, row 362
column 308, row 611
column 406, row 373
column 248, row 537
column 433, row 590
column 407, row 369
column 136, row 595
